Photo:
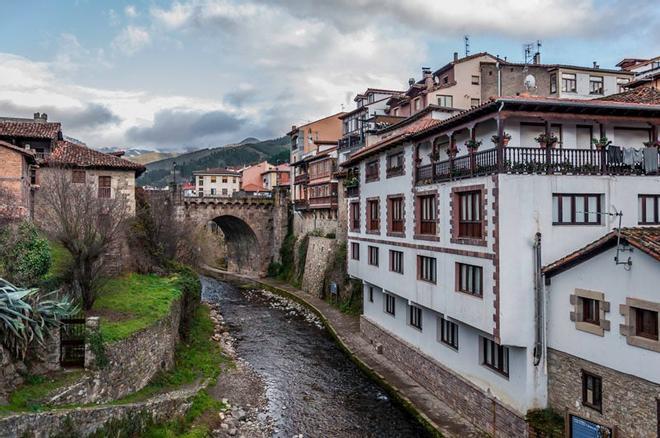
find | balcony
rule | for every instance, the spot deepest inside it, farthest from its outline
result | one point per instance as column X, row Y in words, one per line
column 301, row 179
column 353, row 192
column 323, row 202
column 300, row 204
column 525, row 160
column 350, row 141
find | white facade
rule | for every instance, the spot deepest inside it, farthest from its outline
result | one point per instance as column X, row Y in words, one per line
column 217, row 184
column 516, row 207
column 612, row 82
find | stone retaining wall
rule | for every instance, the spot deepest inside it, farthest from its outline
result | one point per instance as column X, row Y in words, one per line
column 320, row 251
column 629, row 403
column 132, row 363
column 85, row 421
column 484, row 411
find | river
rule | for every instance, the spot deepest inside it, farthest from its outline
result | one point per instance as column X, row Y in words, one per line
column 312, row 387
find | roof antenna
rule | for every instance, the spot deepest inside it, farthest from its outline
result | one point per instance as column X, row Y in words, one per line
column 466, row 38
column 619, row 247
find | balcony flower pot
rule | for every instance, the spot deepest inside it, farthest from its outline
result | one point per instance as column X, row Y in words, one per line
column 547, row 140
column 434, row 156
column 473, row 145
column 601, row 143
column 505, row 139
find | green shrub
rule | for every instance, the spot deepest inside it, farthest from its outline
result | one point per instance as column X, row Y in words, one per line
column 25, row 258
column 547, row 422
column 191, row 290
column 274, row 269
column 331, row 235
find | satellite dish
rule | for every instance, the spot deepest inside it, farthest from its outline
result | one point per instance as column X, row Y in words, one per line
column 530, row 82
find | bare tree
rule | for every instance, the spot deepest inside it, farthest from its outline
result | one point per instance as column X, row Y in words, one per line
column 87, row 225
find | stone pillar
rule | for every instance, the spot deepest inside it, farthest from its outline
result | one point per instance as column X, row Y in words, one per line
column 92, row 326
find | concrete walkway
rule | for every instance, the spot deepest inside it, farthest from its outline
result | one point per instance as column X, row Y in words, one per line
column 346, row 328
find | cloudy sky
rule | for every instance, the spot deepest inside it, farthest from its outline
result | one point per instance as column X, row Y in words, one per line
column 195, row 73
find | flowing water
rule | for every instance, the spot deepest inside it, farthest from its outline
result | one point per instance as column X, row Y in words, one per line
column 313, row 388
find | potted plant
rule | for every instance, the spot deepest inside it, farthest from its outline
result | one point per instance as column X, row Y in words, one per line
column 505, row 139
column 472, row 144
column 547, row 140
column 352, row 182
column 601, row 143
column 434, row 155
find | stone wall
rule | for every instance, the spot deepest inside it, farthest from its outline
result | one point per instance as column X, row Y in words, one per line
column 629, row 403
column 320, row 252
column 323, row 221
column 85, row 421
column 483, row 410
column 132, row 363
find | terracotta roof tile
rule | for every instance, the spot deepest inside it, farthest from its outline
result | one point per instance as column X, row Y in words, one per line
column 646, row 239
column 67, row 153
column 50, row 130
column 637, row 95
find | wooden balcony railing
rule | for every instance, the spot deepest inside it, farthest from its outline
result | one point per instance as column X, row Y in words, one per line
column 323, row 201
column 530, row 160
column 353, row 192
column 301, row 179
column 105, row 192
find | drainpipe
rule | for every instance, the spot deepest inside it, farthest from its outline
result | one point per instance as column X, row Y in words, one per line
column 499, row 78
column 538, row 301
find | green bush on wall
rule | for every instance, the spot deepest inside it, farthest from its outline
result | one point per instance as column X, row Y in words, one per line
column 25, row 256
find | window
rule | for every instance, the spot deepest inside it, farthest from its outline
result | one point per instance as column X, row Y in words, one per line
column 596, row 85
column 415, row 317
column 355, row 216
column 396, row 215
column 371, row 172
column 395, row 164
column 213, row 179
column 474, row 102
column 418, row 104
column 213, row 191
column 475, row 80
column 104, row 187
column 470, row 279
column 445, row 101
column 355, row 251
column 373, row 216
column 225, row 192
column 590, row 310
column 371, row 294
column 78, row 176
column 445, row 80
column 621, row 84
column 426, row 211
column 390, row 304
column 426, row 268
column 396, row 112
column 373, row 255
column 448, row 332
column 225, row 179
column 568, row 82
column 495, row 357
column 200, row 180
column 576, row 209
column 648, row 211
column 592, row 392
column 396, row 261
column 553, row 83
column 469, row 219
column 646, row 323
column 370, row 98
column 233, row 180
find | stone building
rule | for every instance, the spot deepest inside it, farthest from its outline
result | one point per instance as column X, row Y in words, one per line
column 17, row 181
column 445, row 234
column 602, row 329
column 218, row 181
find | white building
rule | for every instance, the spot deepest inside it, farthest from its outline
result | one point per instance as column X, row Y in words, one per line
column 219, row 182
column 603, row 350
column 444, row 239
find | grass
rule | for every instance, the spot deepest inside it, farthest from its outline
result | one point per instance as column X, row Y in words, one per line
column 137, row 301
column 35, row 388
column 189, row 426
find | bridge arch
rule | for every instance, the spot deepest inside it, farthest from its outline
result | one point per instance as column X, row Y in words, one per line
column 243, row 247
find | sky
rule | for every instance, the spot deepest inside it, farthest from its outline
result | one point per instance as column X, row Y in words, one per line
column 186, row 74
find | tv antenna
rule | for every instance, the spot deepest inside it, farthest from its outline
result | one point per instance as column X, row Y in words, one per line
column 466, row 39
column 619, row 247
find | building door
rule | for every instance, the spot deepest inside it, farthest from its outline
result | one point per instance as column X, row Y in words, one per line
column 581, row 428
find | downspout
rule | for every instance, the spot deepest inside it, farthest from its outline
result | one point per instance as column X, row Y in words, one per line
column 499, row 78
column 538, row 301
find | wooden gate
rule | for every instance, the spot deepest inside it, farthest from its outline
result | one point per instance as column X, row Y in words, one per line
column 72, row 342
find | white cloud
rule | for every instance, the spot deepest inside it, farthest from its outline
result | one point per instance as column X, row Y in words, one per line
column 131, row 40
column 130, row 11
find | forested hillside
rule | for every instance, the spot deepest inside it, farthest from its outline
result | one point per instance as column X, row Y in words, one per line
column 159, row 174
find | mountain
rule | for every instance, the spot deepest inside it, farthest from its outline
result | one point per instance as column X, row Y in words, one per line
column 159, row 173
column 142, row 156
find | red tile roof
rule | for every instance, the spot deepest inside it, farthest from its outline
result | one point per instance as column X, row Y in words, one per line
column 67, row 153
column 637, row 95
column 27, row 152
column 30, row 129
column 646, row 239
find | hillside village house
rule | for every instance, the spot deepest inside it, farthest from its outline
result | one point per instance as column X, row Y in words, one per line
column 36, row 134
column 219, row 181
column 276, row 176
column 604, row 298
column 251, row 176
column 17, row 181
column 452, row 225
column 646, row 71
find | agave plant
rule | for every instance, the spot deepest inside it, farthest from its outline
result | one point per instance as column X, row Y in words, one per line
column 27, row 315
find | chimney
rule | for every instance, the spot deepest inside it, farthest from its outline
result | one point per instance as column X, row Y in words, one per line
column 537, row 58
column 596, row 65
column 293, row 128
column 411, row 82
column 428, row 77
column 40, row 117
column 455, row 56
column 37, row 117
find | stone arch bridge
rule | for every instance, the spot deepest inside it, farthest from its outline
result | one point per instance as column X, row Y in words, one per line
column 254, row 227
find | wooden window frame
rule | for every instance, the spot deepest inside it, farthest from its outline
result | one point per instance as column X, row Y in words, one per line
column 104, row 191
column 471, row 270
column 445, row 97
column 373, row 256
column 415, row 316
column 566, row 81
column 630, row 330
column 373, row 224
column 373, row 175
column 459, row 225
column 448, row 333
column 475, row 81
column 597, row 391
column 420, row 269
column 355, row 251
column 354, row 216
column 387, row 300
column 597, row 323
column 639, row 320
column 425, row 228
column 502, row 352
column 553, row 83
column 560, row 214
column 392, row 171
column 594, row 80
column 641, row 205
column 396, row 228
column 393, row 266
column 78, row 176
